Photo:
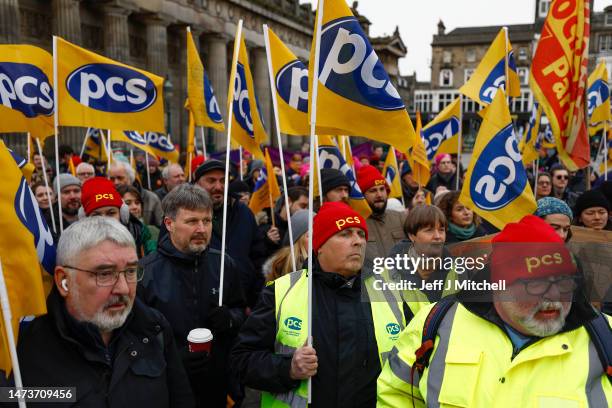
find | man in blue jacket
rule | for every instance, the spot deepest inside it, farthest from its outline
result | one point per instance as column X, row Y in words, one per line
column 182, row 281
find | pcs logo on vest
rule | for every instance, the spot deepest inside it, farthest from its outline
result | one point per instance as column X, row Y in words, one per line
column 393, row 330
column 294, row 325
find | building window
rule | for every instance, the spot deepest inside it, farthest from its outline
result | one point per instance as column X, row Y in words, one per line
column 446, row 78
column 543, row 11
column 447, row 57
column 470, row 55
column 605, row 42
column 467, row 74
column 608, row 19
column 522, row 54
column 523, row 74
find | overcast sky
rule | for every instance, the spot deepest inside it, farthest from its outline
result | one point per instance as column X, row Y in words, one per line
column 418, row 20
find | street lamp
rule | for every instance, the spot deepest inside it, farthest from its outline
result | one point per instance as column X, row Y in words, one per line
column 168, row 88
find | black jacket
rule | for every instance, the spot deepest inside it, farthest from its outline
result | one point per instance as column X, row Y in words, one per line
column 140, row 367
column 438, row 180
column 244, row 243
column 185, row 289
column 282, row 225
column 343, row 336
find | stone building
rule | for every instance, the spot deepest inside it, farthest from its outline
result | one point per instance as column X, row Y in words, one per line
column 456, row 54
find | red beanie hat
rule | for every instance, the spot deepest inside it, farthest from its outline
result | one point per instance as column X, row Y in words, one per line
column 333, row 218
column 529, row 249
column 99, row 192
column 368, row 177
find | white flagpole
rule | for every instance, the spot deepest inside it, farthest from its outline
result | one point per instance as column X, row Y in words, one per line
column 203, row 142
column 350, row 151
column 459, row 142
column 29, row 148
column 44, row 166
column 313, row 123
column 108, row 149
column 6, row 314
column 507, row 66
column 606, row 150
column 227, row 158
column 56, row 124
column 535, row 177
column 280, row 144
column 318, row 170
column 239, row 161
column 148, row 171
column 84, row 143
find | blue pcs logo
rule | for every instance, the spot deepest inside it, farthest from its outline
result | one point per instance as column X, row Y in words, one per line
column 390, row 174
column 156, row 140
column 292, row 85
column 393, row 329
column 25, row 88
column 330, row 158
column 241, row 106
column 212, row 106
column 498, row 177
column 497, row 79
column 434, row 136
column 293, row 323
column 597, row 94
column 350, row 67
column 111, row 88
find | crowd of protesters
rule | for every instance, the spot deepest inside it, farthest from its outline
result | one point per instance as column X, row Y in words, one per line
column 140, row 265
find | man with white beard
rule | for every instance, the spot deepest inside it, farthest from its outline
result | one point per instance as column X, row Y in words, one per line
column 97, row 338
column 538, row 343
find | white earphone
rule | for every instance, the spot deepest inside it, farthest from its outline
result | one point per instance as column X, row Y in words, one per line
column 65, row 284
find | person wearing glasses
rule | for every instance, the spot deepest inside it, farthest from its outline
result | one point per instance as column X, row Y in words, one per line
column 523, row 345
column 97, row 337
column 85, row 171
column 560, row 181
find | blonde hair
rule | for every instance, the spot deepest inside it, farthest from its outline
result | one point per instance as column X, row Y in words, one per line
column 281, row 260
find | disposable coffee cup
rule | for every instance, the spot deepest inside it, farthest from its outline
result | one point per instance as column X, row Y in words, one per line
column 200, row 340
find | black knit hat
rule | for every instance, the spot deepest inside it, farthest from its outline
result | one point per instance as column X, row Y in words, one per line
column 332, row 178
column 208, row 165
column 590, row 199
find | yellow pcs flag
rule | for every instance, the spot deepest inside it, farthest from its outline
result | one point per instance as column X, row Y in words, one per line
column 99, row 92
column 529, row 143
column 26, row 95
column 421, row 168
column 290, row 86
column 598, row 95
column 391, row 174
column 247, row 126
column 441, row 135
column 354, row 94
column 496, row 185
column 200, row 94
column 266, row 190
column 156, row 144
column 491, row 73
column 20, row 220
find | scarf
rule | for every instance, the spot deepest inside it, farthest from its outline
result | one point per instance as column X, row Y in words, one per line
column 462, row 233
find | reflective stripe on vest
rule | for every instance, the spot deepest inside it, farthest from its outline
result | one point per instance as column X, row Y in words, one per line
column 291, row 297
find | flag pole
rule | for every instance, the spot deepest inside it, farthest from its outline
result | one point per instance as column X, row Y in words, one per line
column 239, row 161
column 606, row 150
column 507, row 65
column 56, row 124
column 280, row 144
column 29, row 145
column 8, row 324
column 46, row 180
column 318, row 170
column 313, row 123
column 269, row 175
column 459, row 141
column 203, row 143
column 535, row 177
column 227, row 158
column 84, row 143
column 399, row 174
column 108, row 150
column 148, row 171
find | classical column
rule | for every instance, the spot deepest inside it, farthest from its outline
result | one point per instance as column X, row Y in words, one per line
column 67, row 20
column 116, row 34
column 9, row 21
column 261, row 79
column 157, row 46
column 218, row 73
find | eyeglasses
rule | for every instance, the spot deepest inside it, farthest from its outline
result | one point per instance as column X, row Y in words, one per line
column 109, row 277
column 86, row 174
column 538, row 287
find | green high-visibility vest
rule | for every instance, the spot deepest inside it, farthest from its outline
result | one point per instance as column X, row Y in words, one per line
column 291, row 297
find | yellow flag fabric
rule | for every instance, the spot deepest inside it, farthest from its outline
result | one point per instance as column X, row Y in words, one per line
column 490, row 75
column 355, row 95
column 496, row 185
column 156, row 144
column 21, row 220
column 391, row 173
column 201, row 97
column 26, row 95
column 441, row 135
column 95, row 144
column 529, row 145
column 421, row 168
column 71, row 167
column 598, row 95
column 290, row 87
column 247, row 126
column 331, row 158
column 99, row 92
column 190, row 140
column 266, row 190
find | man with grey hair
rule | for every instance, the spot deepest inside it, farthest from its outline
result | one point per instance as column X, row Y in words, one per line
column 182, row 280
column 97, row 337
column 172, row 175
column 85, row 171
column 122, row 174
